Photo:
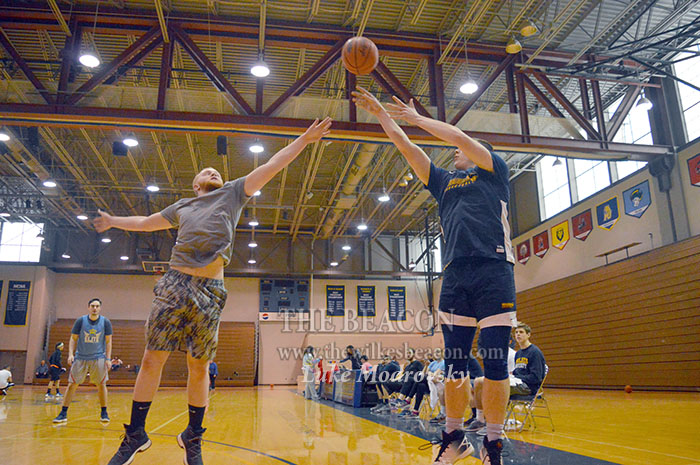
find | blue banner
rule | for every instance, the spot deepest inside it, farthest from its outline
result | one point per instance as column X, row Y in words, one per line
column 335, row 300
column 365, row 301
column 17, row 303
column 637, row 199
column 397, row 303
column 607, row 214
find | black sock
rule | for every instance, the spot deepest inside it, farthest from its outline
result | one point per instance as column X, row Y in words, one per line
column 48, row 391
column 196, row 417
column 64, row 409
column 474, row 412
column 57, row 391
column 103, row 410
column 139, row 410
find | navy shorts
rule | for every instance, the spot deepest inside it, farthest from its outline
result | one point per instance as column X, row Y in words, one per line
column 54, row 374
column 478, row 291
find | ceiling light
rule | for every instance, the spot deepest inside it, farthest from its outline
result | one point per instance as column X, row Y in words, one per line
column 334, row 263
column 49, row 183
column 40, row 235
column 384, row 197
column 257, row 194
column 89, row 59
column 152, row 187
column 106, row 240
column 82, row 217
column 513, row 46
column 252, row 244
column 411, row 265
column 644, row 104
column 346, row 248
column 260, row 69
column 403, row 183
column 469, row 87
column 256, row 147
column 529, row 29
column 65, row 254
column 252, row 261
column 130, row 141
column 409, row 176
column 362, row 226
column 4, row 137
column 253, row 222
column 557, row 162
column 124, row 258
column 4, row 214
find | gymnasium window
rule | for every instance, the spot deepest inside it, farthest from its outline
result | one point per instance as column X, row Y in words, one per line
column 591, row 176
column 553, row 183
column 18, row 242
column 635, row 129
column 688, row 70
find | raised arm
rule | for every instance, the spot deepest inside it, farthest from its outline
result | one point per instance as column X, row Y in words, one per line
column 155, row 222
column 451, row 134
column 413, row 154
column 263, row 173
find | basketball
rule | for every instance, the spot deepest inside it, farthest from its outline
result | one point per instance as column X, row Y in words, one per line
column 628, row 389
column 360, row 55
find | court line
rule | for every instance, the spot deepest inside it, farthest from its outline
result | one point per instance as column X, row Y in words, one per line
column 48, row 427
column 169, row 421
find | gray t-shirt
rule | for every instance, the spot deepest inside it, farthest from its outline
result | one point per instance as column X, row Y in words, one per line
column 206, row 225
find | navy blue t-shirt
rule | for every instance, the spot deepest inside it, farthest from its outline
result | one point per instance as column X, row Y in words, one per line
column 473, row 208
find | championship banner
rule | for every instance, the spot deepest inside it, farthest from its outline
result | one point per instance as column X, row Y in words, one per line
column 397, row 303
column 637, row 199
column 17, row 303
column 560, row 235
column 694, row 170
column 335, row 300
column 541, row 243
column 607, row 214
column 524, row 251
column 365, row 301
column 582, row 224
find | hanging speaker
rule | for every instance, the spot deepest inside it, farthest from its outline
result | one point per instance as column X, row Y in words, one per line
column 119, row 149
column 221, row 146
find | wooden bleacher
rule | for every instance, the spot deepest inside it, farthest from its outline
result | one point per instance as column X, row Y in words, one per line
column 235, row 356
column 636, row 322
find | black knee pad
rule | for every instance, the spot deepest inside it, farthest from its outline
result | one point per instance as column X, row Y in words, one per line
column 494, row 351
column 458, row 344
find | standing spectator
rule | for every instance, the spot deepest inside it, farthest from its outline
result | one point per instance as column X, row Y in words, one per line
column 42, row 371
column 55, row 370
column 5, row 380
column 307, row 368
column 213, row 373
column 354, row 357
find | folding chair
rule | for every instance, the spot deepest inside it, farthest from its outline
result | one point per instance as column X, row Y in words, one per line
column 528, row 407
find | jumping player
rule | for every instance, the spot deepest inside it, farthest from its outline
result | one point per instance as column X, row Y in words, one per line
column 478, row 284
column 189, row 298
column 92, row 337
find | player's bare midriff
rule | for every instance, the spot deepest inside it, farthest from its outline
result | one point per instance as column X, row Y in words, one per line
column 214, row 270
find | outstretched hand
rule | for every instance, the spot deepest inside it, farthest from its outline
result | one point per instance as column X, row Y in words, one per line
column 318, row 129
column 400, row 110
column 367, row 101
column 103, row 222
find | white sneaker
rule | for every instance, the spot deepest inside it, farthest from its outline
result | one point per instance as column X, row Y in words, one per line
column 48, row 398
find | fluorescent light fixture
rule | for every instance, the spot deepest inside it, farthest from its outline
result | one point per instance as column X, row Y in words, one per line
column 334, row 263
column 89, row 59
column 257, row 194
column 256, row 147
column 347, row 248
column 82, row 217
column 260, row 69
column 4, row 137
column 252, row 261
column 362, row 226
column 252, row 244
column 49, row 183
column 106, row 240
column 124, row 258
column 130, row 141
column 644, row 104
column 65, row 255
column 411, row 265
column 384, row 197
column 469, row 87
column 152, row 187
column 4, row 214
column 253, row 222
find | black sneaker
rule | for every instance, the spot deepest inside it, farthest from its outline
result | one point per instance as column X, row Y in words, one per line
column 61, row 418
column 104, row 418
column 451, row 448
column 133, row 441
column 491, row 452
column 191, row 441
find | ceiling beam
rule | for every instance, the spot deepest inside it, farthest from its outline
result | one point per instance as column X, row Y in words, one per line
column 623, row 110
column 12, row 51
column 395, row 87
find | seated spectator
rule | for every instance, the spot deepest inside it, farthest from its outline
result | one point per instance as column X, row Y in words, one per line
column 116, row 363
column 391, row 379
column 525, row 380
column 42, row 371
column 353, row 356
column 366, row 366
column 433, row 371
column 436, row 385
column 5, row 380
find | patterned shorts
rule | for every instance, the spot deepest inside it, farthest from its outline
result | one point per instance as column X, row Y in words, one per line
column 185, row 314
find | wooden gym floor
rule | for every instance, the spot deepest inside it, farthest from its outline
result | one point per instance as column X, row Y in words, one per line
column 277, row 426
